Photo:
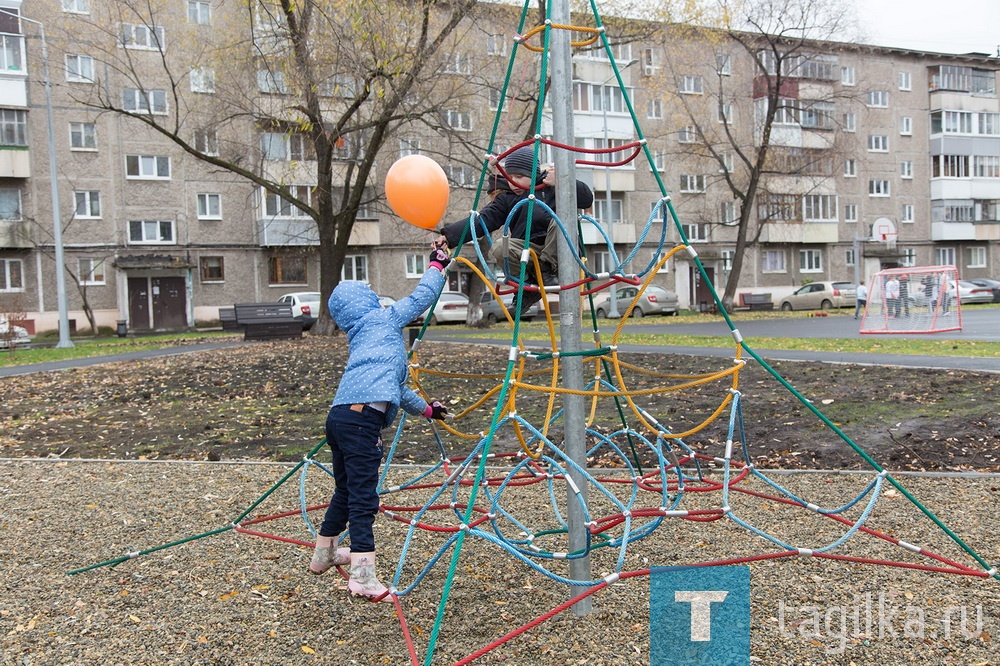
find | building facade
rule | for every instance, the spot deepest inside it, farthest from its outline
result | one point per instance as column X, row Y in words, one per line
column 162, row 239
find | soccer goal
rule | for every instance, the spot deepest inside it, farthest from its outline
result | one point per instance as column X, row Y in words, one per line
column 913, row 300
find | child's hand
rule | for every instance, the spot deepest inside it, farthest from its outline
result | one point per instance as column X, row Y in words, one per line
column 435, row 410
column 440, row 258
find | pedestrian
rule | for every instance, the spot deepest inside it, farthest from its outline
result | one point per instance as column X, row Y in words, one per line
column 506, row 252
column 904, row 294
column 371, row 392
column 892, row 296
column 860, row 299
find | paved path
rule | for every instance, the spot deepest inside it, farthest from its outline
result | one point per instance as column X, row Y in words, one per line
column 14, row 370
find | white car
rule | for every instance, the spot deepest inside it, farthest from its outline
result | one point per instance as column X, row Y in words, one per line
column 452, row 308
column 13, row 336
column 305, row 306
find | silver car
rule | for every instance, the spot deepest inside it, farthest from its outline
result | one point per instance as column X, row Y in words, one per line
column 492, row 312
column 12, row 336
column 820, row 296
column 654, row 301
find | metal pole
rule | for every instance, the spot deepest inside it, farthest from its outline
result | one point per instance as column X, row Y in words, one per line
column 64, row 340
column 574, row 435
column 613, row 308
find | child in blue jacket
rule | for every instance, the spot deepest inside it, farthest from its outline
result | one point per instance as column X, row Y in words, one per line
column 371, row 391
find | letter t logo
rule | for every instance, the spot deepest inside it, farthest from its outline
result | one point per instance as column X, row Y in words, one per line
column 701, row 610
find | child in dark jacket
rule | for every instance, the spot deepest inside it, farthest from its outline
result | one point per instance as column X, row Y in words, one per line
column 370, row 394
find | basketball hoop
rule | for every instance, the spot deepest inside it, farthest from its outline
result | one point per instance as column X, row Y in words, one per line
column 884, row 231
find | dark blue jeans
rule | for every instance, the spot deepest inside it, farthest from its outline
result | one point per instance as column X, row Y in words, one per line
column 356, row 442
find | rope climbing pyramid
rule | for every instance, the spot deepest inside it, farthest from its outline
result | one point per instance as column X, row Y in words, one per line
column 651, row 479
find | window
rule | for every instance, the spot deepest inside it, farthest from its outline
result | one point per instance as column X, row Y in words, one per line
column 850, row 212
column 416, row 265
column 819, row 208
column 907, row 214
column 906, row 126
column 142, row 37
column 724, row 112
column 945, row 256
column 810, row 261
column 276, row 206
column 904, row 81
column 961, row 211
column 495, row 99
column 908, row 257
column 202, row 80
column 727, row 259
column 849, row 257
column 365, row 212
column 83, row 136
column 206, row 142
column 850, row 122
column 457, row 63
column 964, row 79
column 986, row 166
column 88, row 204
column 950, row 166
column 906, row 169
column 151, row 232
column 11, row 275
column 409, row 146
column 147, row 166
column 271, row 82
column 659, row 160
column 727, row 213
column 10, row 203
column 650, row 63
column 496, row 45
column 847, row 76
column 778, row 207
column 989, row 123
column 11, row 50
column 91, row 271
column 355, row 268
column 691, row 85
column 76, row 6
column 772, row 261
column 144, row 101
column 461, row 175
column 816, row 115
column 654, row 109
column 209, row 206
column 878, row 187
column 787, row 111
column 13, row 127
column 79, row 69
column 688, row 134
column 601, row 213
column 292, row 147
column 199, row 12
column 878, row 143
column 288, row 270
column 952, row 122
column 692, row 183
column 878, row 99
column 460, row 121
column 696, row 233
column 212, row 269
column 977, row 257
column 850, row 168
column 723, row 64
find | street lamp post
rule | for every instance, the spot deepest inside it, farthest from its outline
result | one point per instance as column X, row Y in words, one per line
column 606, row 101
column 64, row 340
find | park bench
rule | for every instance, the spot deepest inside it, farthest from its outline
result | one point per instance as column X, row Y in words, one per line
column 267, row 321
column 227, row 317
column 758, row 301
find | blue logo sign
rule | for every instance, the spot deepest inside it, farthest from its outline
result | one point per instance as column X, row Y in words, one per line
column 699, row 615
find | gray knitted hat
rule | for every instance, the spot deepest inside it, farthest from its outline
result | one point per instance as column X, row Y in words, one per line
column 519, row 162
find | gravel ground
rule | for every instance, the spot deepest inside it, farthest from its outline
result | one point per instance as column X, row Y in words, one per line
column 239, row 599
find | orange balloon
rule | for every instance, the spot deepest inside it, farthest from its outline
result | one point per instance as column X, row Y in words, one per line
column 417, row 190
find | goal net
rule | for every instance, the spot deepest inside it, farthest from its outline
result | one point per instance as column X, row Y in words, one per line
column 913, row 300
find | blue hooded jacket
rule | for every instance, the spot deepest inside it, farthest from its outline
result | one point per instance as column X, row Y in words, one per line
column 376, row 365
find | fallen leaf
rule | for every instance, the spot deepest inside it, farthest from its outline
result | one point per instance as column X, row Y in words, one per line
column 308, row 650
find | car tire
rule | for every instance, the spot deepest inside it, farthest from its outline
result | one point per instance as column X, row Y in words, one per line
column 601, row 314
column 637, row 312
column 786, row 307
column 434, row 321
column 826, row 305
column 492, row 318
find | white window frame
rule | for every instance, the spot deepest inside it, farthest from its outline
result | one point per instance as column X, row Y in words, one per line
column 849, row 257
column 945, row 256
column 142, row 37
column 906, row 169
column 878, row 143
column 687, row 134
column 810, row 261
column 202, row 80
column 850, row 212
column 496, row 44
column 697, row 232
column 906, row 214
column 850, row 122
column 692, row 183
column 659, row 161
column 6, row 273
column 986, row 166
column 727, row 214
column 691, row 84
column 879, row 187
column 976, row 257
column 905, row 81
column 906, row 126
column 617, row 210
column 847, row 76
column 206, row 141
column 773, row 261
column 850, row 168
column 83, row 136
column 209, row 205
column 147, row 167
column 153, row 102
column 877, row 99
column 353, row 265
column 91, row 272
column 908, row 257
column 276, row 206
column 76, row 6
column 271, row 82
column 724, row 113
column 819, row 208
column 89, row 201
column 654, row 109
column 723, row 64
column 409, row 146
column 152, row 232
column 416, row 265
column 199, row 12
column 79, row 68
column 457, row 121
column 727, row 162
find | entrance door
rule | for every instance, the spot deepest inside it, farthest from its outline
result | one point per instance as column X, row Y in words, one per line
column 702, row 292
column 168, row 302
column 138, row 304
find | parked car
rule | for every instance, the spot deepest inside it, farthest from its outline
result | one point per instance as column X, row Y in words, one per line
column 654, row 301
column 820, row 296
column 305, row 306
column 968, row 293
column 12, row 335
column 492, row 312
column 452, row 308
column 992, row 285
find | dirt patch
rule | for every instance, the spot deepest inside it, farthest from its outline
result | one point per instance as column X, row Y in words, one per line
column 269, row 401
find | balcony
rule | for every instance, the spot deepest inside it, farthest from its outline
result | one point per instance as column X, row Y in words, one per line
column 15, row 162
column 620, row 233
column 807, row 232
column 302, row 231
column 953, row 231
column 15, row 234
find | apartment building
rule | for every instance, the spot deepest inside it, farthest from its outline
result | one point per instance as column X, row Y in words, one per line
column 162, row 239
